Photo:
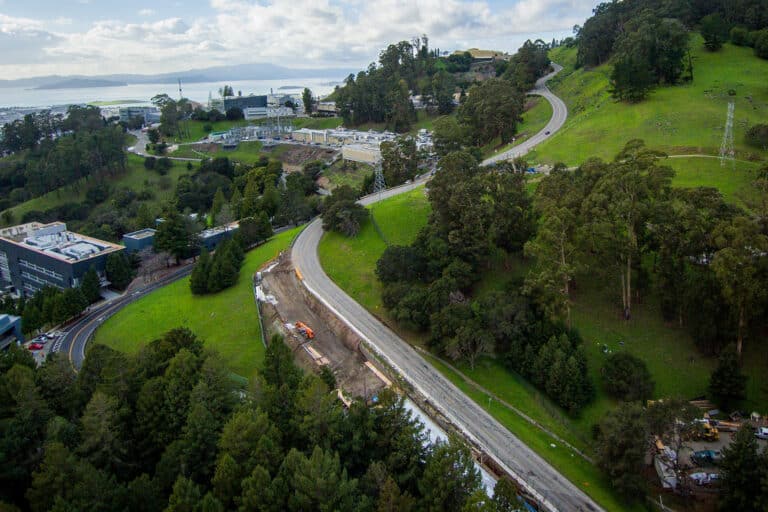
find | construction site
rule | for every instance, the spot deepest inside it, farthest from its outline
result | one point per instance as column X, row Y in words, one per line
column 316, row 336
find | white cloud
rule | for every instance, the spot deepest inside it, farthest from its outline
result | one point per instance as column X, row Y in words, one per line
column 297, row 33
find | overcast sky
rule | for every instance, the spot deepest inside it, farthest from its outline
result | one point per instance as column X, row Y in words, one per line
column 93, row 37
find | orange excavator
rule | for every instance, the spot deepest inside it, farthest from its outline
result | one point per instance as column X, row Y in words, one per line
column 305, row 330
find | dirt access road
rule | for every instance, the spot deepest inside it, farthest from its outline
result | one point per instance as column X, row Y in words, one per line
column 334, row 344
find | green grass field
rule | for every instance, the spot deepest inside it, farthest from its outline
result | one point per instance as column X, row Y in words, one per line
column 196, row 131
column 684, row 119
column 226, row 321
column 317, row 123
column 733, row 179
column 136, row 178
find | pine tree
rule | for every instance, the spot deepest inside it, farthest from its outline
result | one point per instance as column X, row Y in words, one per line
column 91, row 286
column 742, row 469
column 236, row 201
column 727, row 384
column 218, row 202
column 250, row 204
column 198, row 281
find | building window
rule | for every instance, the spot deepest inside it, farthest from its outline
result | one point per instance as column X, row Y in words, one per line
column 41, row 270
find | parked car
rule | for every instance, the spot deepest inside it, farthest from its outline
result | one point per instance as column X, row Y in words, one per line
column 762, row 433
column 706, row 457
column 35, row 346
column 705, row 478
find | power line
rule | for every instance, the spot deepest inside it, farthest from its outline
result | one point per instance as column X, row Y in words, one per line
column 727, row 151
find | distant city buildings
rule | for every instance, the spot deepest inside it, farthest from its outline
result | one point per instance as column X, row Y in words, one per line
column 149, row 114
column 36, row 255
column 254, row 106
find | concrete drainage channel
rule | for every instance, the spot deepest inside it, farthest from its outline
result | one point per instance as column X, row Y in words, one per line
column 284, row 301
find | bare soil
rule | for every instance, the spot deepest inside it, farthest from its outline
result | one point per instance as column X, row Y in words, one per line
column 294, row 156
column 334, row 344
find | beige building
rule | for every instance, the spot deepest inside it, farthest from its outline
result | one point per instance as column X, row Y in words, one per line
column 363, row 153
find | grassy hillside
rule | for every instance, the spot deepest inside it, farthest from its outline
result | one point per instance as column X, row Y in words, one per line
column 226, row 321
column 136, row 177
column 676, row 366
column 684, row 119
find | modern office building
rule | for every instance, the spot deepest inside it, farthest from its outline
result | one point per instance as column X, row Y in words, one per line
column 150, row 114
column 36, row 255
column 211, row 238
column 139, row 240
column 10, row 331
column 245, row 102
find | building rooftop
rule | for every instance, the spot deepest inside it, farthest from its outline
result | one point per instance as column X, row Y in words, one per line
column 55, row 241
column 207, row 233
column 140, row 234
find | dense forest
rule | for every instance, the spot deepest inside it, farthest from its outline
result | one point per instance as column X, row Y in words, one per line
column 50, row 152
column 168, row 429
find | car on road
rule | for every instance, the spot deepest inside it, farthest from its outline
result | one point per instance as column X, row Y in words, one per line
column 546, row 132
column 35, row 346
column 762, row 433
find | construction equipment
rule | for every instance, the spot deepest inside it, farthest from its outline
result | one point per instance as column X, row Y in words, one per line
column 305, row 330
column 703, row 430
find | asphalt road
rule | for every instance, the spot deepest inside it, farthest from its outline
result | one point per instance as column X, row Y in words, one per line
column 540, row 479
column 78, row 334
column 559, row 115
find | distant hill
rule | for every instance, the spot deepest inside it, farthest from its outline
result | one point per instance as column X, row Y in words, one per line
column 253, row 71
column 78, row 83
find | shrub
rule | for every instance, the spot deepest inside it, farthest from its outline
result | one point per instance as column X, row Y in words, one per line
column 761, row 44
column 740, row 36
column 757, row 136
column 627, row 378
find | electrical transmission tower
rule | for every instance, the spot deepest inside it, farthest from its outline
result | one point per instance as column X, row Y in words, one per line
column 378, row 180
column 727, row 151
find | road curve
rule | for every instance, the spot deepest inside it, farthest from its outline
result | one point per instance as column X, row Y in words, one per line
column 553, row 491
column 78, row 334
column 559, row 115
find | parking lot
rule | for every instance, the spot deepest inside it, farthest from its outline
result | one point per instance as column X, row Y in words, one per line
column 42, row 344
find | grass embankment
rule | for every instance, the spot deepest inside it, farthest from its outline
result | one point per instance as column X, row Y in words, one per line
column 136, row 178
column 535, row 118
column 675, row 364
column 226, row 321
column 196, row 129
column 347, row 173
column 684, row 119
column 317, row 123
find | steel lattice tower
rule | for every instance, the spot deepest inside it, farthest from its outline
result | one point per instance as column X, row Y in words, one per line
column 378, row 180
column 727, row 151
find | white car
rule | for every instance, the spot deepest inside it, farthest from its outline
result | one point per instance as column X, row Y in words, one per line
column 762, row 433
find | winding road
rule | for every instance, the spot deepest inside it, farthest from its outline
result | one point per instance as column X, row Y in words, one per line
column 559, row 115
column 537, row 476
column 77, row 334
